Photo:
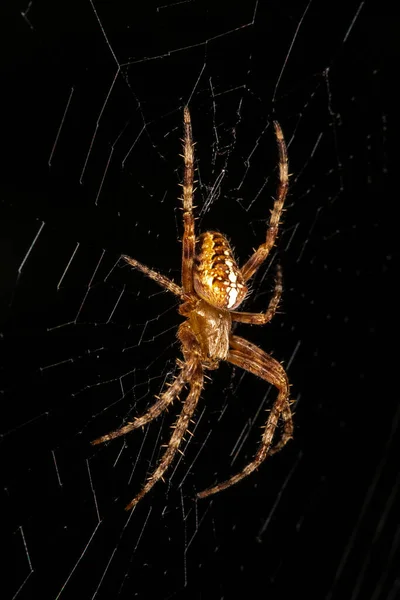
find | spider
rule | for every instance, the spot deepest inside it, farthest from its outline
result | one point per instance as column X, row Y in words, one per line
column 213, row 287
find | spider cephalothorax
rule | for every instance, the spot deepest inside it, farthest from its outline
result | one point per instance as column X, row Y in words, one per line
column 213, row 286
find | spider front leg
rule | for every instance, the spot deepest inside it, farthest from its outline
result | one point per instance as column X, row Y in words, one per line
column 250, row 358
column 263, row 318
column 259, row 355
column 195, row 378
column 263, row 250
column 154, row 411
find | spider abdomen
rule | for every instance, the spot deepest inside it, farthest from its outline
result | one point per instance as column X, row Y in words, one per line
column 217, row 278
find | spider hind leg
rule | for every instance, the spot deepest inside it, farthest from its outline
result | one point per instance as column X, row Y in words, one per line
column 256, row 260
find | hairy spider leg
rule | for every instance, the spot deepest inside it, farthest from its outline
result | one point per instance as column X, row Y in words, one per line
column 249, row 357
column 256, row 260
column 195, row 378
column 189, row 236
column 263, row 318
column 154, row 411
column 160, row 279
column 287, row 416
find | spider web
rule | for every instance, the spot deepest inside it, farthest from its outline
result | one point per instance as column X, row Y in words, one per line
column 93, row 121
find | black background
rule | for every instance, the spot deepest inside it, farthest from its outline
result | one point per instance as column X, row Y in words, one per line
column 92, row 98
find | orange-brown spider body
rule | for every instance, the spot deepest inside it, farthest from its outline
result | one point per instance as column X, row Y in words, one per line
column 216, row 277
column 213, row 286
column 219, row 287
column 211, row 327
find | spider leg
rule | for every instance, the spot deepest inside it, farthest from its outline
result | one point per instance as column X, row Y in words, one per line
column 258, row 356
column 287, row 417
column 195, row 378
column 263, row 250
column 263, row 318
column 154, row 411
column 179, row 431
column 160, row 279
column 188, row 240
column 247, row 356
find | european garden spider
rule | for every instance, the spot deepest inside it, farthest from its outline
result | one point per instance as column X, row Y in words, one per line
column 212, row 288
